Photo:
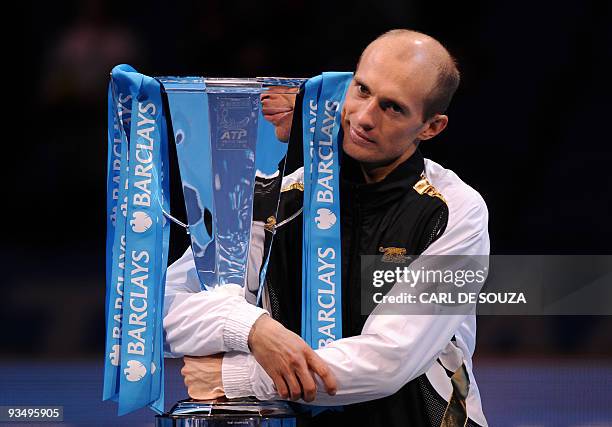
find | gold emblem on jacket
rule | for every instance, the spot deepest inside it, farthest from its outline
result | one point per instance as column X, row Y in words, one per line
column 423, row 186
column 392, row 254
column 295, row 186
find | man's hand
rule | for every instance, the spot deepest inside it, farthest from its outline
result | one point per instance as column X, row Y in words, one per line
column 288, row 360
column 202, row 376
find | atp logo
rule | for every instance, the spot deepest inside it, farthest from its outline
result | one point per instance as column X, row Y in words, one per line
column 141, row 222
column 325, row 219
column 234, row 134
column 135, row 371
column 114, row 355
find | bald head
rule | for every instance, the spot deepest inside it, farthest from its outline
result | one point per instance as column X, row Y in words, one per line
column 428, row 58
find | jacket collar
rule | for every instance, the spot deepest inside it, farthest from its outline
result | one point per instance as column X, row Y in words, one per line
column 375, row 195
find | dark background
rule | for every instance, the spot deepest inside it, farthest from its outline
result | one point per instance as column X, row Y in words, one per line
column 528, row 129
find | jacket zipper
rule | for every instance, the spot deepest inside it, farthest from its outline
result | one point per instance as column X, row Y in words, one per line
column 434, row 232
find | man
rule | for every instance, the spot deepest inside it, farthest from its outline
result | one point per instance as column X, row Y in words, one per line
column 389, row 370
column 277, row 105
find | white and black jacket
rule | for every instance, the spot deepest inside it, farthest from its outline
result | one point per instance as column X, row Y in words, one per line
column 393, row 364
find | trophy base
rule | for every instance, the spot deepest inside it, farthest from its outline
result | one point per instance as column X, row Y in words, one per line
column 221, row 413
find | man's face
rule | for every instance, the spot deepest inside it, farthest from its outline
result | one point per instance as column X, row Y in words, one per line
column 277, row 105
column 383, row 110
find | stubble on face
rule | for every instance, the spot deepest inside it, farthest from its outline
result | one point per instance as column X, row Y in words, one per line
column 398, row 74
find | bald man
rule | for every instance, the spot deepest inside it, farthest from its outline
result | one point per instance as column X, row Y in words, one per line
column 400, row 370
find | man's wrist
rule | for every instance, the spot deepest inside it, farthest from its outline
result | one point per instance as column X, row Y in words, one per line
column 236, row 375
column 242, row 376
column 238, row 326
column 253, row 330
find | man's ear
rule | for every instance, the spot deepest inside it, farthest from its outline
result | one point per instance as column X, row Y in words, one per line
column 433, row 126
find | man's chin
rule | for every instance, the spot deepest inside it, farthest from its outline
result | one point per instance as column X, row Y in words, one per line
column 356, row 152
column 368, row 158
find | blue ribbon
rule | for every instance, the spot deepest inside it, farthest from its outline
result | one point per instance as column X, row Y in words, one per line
column 134, row 362
column 119, row 120
column 321, row 262
column 321, row 267
column 312, row 91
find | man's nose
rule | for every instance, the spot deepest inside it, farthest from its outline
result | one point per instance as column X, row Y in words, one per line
column 366, row 116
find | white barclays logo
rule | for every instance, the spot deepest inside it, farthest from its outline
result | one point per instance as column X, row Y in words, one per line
column 124, row 207
column 135, row 371
column 325, row 218
column 141, row 222
column 114, row 355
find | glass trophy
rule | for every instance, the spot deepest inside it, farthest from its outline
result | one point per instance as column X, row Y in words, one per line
column 231, row 139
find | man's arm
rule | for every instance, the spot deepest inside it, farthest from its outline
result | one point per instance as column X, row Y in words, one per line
column 204, row 323
column 201, row 323
column 392, row 349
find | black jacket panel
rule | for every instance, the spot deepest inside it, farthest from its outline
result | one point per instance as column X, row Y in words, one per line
column 374, row 217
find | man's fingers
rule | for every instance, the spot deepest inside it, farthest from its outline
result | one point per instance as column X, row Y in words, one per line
column 295, row 390
column 281, row 386
column 309, row 386
column 322, row 370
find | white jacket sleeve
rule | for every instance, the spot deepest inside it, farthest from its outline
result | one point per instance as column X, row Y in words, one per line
column 200, row 323
column 392, row 349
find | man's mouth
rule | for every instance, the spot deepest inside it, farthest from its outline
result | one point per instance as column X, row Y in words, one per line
column 360, row 138
column 275, row 115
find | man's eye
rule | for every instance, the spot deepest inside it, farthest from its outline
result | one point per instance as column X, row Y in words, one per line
column 362, row 89
column 396, row 108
